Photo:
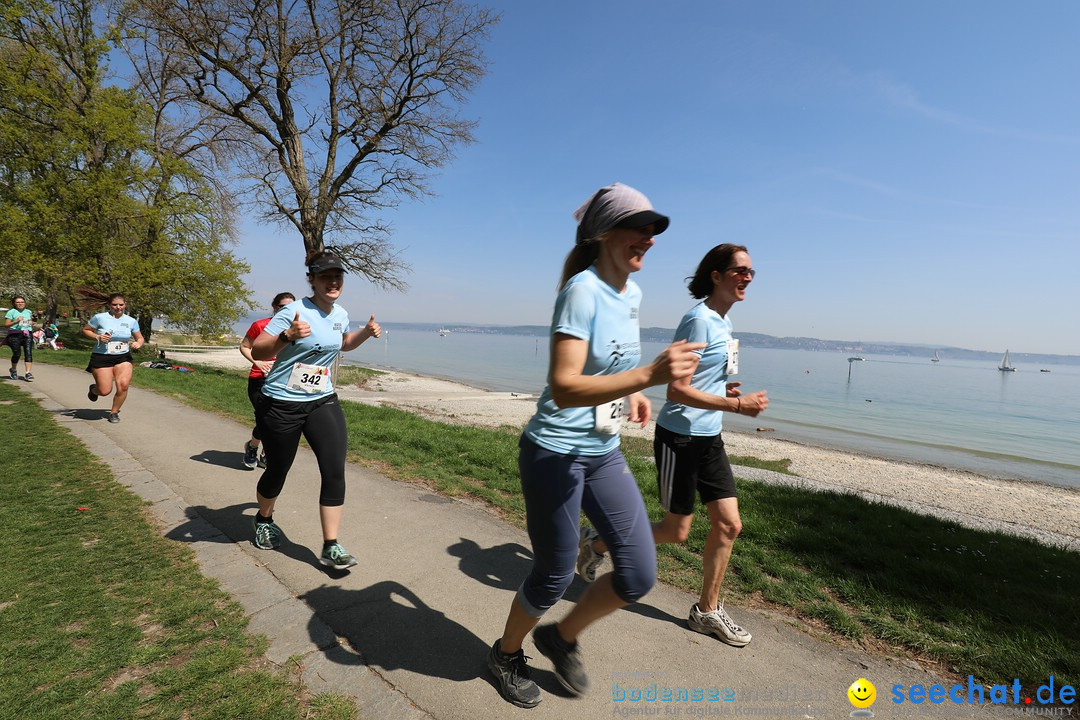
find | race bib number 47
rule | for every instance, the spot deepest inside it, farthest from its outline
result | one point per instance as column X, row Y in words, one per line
column 310, row 379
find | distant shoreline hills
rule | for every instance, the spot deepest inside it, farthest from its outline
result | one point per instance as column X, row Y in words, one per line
column 663, row 335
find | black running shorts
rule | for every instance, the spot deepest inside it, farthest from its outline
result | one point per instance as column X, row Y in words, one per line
column 685, row 464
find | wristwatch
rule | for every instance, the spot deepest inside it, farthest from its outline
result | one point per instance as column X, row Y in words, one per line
column 283, row 337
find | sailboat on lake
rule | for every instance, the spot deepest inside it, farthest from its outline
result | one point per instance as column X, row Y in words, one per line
column 1005, row 365
column 935, row 358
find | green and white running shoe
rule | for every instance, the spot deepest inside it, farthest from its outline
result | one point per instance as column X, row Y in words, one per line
column 336, row 557
column 267, row 535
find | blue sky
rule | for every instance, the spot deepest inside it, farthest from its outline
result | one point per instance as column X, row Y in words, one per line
column 902, row 172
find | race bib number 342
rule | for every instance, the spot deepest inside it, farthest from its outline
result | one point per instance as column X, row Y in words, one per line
column 310, row 379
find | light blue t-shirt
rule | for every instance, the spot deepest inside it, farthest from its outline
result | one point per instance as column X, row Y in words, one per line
column 121, row 329
column 701, row 324
column 23, row 320
column 320, row 348
column 589, row 309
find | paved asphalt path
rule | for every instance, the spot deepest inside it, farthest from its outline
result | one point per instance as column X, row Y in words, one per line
column 406, row 632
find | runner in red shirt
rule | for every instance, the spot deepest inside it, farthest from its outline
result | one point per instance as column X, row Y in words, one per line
column 259, row 368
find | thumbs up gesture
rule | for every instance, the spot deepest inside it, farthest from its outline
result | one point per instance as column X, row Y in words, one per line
column 298, row 329
column 372, row 328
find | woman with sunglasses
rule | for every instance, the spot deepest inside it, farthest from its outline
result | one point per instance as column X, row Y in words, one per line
column 115, row 335
column 690, row 455
column 307, row 337
column 257, row 377
column 569, row 452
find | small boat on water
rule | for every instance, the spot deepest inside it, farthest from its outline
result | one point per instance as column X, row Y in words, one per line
column 935, row 358
column 1005, row 365
column 855, row 358
column 1044, row 370
column 443, row 332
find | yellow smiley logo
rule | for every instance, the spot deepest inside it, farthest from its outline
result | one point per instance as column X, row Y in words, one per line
column 862, row 693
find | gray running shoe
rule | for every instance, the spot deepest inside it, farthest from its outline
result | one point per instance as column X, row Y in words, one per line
column 718, row 623
column 267, row 535
column 28, row 377
column 336, row 557
column 13, row 374
column 262, row 460
column 588, row 560
column 567, row 659
column 114, row 417
column 515, row 685
column 251, row 456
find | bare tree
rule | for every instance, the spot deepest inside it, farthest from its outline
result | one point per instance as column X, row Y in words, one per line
column 332, row 110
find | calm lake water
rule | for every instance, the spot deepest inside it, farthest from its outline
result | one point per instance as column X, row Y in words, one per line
column 960, row 414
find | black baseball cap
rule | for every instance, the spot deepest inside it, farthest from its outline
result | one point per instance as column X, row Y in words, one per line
column 326, row 262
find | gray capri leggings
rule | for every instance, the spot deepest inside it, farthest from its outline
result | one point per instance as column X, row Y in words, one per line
column 557, row 488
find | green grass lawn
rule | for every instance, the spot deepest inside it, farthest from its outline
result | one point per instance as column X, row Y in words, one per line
column 983, row 603
column 101, row 617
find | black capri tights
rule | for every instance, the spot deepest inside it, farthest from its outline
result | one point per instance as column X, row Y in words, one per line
column 322, row 423
column 20, row 344
column 255, row 386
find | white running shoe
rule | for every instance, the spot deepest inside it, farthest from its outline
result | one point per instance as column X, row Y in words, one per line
column 718, row 623
column 588, row 560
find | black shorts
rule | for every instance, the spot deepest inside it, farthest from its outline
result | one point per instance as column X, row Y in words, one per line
column 101, row 360
column 685, row 463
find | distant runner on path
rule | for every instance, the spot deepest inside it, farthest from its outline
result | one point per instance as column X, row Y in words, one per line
column 115, row 335
column 20, row 327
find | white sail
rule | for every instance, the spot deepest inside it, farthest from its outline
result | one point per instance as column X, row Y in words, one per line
column 1005, row 365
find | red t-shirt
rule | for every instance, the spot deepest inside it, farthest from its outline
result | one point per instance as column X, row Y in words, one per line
column 253, row 332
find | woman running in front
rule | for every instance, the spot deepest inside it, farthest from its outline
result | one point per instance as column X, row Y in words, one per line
column 690, row 455
column 115, row 335
column 569, row 452
column 298, row 398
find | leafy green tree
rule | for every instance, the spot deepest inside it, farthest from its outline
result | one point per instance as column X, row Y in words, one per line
column 90, row 194
column 70, row 146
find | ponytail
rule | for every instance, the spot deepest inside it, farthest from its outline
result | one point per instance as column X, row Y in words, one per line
column 582, row 256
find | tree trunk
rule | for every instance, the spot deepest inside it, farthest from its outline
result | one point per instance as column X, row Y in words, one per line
column 146, row 321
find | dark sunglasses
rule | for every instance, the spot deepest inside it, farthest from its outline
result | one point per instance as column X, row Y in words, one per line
column 743, row 270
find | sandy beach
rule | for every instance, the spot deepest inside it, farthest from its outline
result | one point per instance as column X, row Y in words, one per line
column 1046, row 513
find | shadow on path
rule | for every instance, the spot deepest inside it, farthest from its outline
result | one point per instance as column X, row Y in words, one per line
column 388, row 626
column 85, row 413
column 233, row 524
column 233, row 460
column 505, row 566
